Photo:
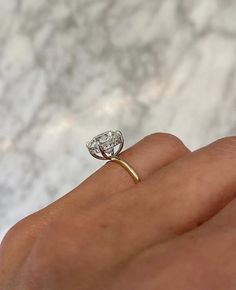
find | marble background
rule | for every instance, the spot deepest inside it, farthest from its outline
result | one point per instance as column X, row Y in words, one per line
column 70, row 69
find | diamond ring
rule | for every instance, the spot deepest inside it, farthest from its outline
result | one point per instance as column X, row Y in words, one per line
column 107, row 146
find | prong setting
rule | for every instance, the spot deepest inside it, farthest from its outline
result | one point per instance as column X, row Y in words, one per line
column 106, row 145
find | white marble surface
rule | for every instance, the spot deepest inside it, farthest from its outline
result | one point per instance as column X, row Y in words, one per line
column 70, row 69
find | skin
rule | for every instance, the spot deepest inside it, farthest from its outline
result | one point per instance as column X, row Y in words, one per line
column 176, row 229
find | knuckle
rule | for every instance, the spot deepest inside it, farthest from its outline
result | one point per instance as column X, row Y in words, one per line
column 170, row 141
column 41, row 257
column 226, row 144
column 53, row 251
column 13, row 233
column 21, row 231
column 227, row 141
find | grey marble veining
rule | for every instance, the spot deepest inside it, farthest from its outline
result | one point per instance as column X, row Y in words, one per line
column 70, row 69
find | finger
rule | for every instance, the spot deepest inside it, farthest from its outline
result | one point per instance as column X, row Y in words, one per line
column 146, row 157
column 196, row 187
column 189, row 191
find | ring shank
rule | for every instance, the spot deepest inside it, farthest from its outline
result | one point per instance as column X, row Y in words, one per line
column 127, row 167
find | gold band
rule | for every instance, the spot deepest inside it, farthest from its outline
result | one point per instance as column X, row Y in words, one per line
column 127, row 167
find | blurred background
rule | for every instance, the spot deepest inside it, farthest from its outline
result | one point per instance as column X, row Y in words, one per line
column 70, row 69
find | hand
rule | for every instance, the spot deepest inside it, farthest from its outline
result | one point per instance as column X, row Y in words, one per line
column 176, row 229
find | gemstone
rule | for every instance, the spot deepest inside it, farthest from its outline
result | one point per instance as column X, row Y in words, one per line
column 107, row 141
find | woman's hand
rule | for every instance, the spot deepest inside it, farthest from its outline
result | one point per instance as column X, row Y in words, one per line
column 176, row 229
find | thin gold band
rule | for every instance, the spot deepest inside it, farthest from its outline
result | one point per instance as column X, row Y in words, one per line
column 127, row 167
